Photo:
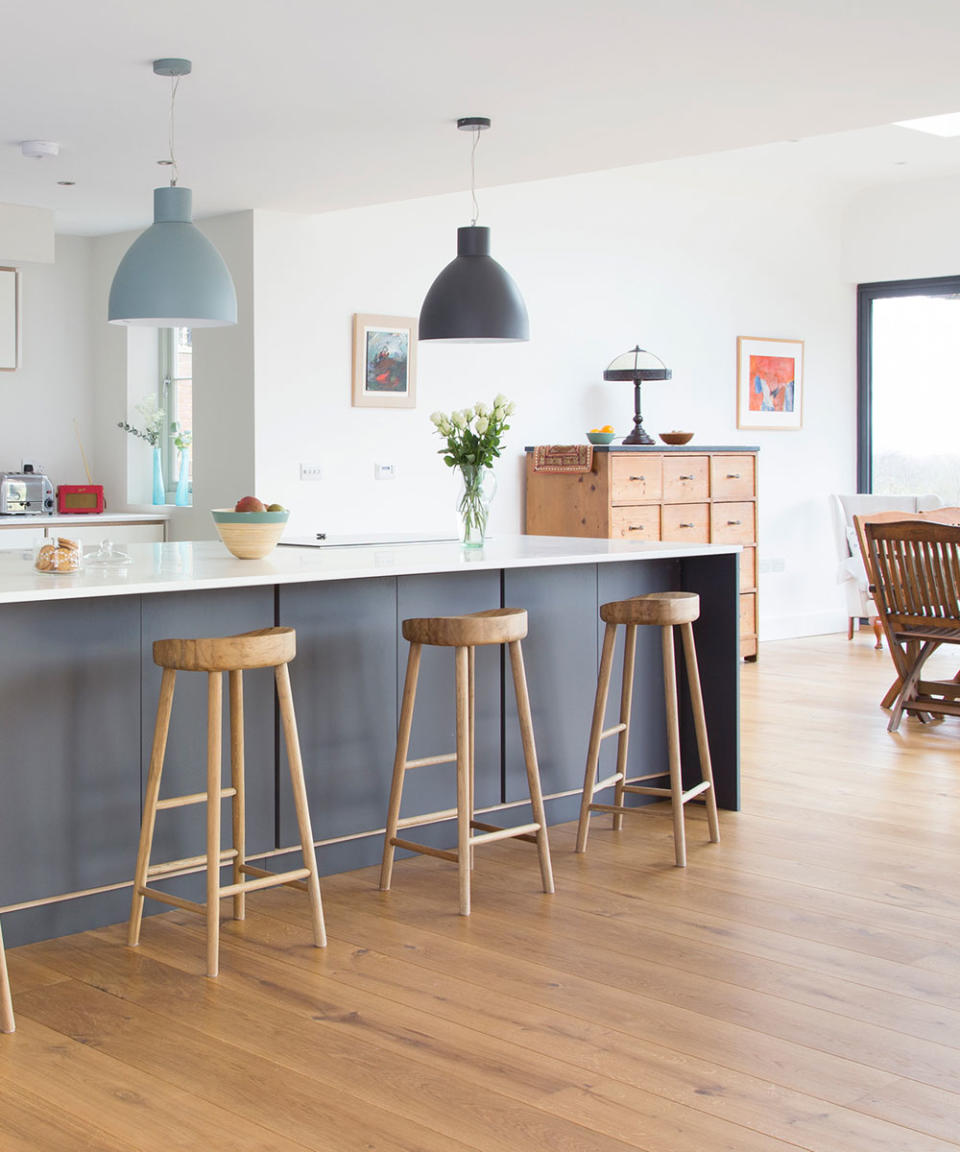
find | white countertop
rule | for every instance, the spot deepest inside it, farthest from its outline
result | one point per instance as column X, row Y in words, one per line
column 185, row 566
column 84, row 518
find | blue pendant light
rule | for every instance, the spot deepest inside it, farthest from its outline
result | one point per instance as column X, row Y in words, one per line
column 172, row 276
column 474, row 300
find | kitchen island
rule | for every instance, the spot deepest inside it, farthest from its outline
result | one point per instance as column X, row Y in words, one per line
column 78, row 693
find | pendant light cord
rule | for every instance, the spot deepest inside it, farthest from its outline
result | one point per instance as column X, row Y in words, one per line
column 174, row 170
column 473, row 176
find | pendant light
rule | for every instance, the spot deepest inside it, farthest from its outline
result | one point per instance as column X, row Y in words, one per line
column 172, row 276
column 474, row 300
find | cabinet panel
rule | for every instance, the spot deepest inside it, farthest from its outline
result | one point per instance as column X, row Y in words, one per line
column 733, row 523
column 19, row 537
column 635, row 478
column 748, row 614
column 686, row 478
column 685, row 522
column 748, row 569
column 641, row 522
column 92, row 534
column 732, row 477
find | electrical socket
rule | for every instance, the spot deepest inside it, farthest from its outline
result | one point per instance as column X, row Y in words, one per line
column 311, row 472
column 385, row 471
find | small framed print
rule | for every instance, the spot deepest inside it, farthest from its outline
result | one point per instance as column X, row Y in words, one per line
column 384, row 361
column 769, row 384
column 9, row 319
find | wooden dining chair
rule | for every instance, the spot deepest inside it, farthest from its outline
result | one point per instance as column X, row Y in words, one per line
column 915, row 566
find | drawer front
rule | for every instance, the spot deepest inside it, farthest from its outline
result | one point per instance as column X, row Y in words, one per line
column 733, row 477
column 748, row 614
column 686, row 478
column 685, row 522
column 748, row 569
column 639, row 523
column 635, row 477
column 733, row 523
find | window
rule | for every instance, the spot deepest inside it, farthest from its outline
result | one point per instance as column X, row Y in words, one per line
column 176, row 397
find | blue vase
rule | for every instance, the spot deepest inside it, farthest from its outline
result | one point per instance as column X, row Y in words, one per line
column 182, row 499
column 159, row 495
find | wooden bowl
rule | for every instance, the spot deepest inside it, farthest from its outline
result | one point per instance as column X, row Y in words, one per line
column 250, row 535
column 676, row 437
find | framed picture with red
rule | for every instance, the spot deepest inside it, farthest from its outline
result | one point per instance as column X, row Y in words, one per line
column 769, row 384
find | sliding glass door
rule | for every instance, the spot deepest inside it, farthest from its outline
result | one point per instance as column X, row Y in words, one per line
column 909, row 388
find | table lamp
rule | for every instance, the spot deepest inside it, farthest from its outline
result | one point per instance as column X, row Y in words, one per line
column 637, row 365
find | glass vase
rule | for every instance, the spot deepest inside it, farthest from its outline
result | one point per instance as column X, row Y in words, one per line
column 477, row 489
column 159, row 494
column 182, row 499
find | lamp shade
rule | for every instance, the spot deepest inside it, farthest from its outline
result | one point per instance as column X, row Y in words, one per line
column 172, row 276
column 474, row 300
column 637, row 364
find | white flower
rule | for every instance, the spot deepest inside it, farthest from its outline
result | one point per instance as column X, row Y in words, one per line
column 511, row 408
column 445, row 427
column 499, row 401
column 437, row 418
column 499, row 412
column 482, row 424
column 481, row 409
column 458, row 420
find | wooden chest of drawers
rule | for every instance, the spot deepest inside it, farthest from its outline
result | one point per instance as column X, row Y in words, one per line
column 706, row 495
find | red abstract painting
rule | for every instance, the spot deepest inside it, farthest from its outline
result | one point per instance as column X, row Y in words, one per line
column 772, row 380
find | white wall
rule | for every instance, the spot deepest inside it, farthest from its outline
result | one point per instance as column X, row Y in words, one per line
column 680, row 257
column 54, row 381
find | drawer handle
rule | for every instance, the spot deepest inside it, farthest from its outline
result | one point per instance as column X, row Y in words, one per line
column 638, row 477
column 690, row 525
column 686, row 477
column 732, row 523
column 733, row 475
column 636, row 527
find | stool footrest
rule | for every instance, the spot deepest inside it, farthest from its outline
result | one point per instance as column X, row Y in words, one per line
column 249, row 870
column 614, row 779
column 427, row 818
column 192, row 798
column 612, row 731
column 425, row 761
column 269, row 880
column 169, row 898
column 424, row 849
column 491, row 832
column 164, row 869
column 696, row 790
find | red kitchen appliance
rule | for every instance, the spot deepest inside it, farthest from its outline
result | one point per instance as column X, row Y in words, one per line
column 74, row 498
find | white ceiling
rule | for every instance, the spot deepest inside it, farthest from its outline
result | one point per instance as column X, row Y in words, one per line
column 306, row 106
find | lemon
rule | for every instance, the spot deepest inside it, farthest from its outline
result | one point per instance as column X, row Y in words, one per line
column 594, row 429
column 607, row 428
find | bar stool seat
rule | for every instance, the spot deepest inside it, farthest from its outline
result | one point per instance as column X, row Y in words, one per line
column 265, row 648
column 6, row 1002
column 665, row 610
column 465, row 633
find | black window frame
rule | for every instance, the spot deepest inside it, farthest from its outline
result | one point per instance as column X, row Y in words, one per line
column 866, row 294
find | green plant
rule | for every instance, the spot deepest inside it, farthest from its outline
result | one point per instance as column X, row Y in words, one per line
column 474, row 435
column 182, row 438
column 152, row 416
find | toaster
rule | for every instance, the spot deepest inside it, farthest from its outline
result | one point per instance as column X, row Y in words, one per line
column 26, row 494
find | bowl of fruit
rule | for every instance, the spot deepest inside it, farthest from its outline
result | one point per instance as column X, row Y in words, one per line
column 251, row 529
column 604, row 435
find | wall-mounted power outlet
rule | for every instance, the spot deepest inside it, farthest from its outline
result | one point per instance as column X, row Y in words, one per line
column 311, row 472
column 385, row 471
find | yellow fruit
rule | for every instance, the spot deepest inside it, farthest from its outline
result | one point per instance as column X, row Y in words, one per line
column 607, row 428
column 594, row 429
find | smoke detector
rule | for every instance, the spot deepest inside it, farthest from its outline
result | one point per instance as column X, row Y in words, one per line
column 39, row 149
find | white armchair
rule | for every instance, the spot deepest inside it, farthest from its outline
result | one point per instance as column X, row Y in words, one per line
column 851, row 572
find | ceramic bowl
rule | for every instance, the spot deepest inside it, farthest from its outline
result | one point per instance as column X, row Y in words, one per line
column 676, row 437
column 601, row 437
column 249, row 535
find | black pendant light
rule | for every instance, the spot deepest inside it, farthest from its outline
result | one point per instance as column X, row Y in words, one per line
column 474, row 300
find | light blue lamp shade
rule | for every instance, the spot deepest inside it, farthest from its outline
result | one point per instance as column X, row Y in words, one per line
column 172, row 276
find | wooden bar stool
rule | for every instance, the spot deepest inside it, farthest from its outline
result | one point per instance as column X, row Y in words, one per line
column 464, row 633
column 6, row 1001
column 267, row 648
column 664, row 610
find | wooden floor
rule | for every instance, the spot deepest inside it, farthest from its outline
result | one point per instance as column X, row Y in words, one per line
column 798, row 986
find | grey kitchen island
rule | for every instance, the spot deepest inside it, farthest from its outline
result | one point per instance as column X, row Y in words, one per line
column 78, row 693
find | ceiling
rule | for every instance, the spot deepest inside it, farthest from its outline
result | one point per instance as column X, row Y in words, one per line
column 307, row 106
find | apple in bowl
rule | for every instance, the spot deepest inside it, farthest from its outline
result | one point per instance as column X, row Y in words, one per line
column 251, row 529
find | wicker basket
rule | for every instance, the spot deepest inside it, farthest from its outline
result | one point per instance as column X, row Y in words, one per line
column 249, row 535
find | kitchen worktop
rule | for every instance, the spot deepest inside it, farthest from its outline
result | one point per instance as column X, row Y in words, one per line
column 184, row 566
column 90, row 518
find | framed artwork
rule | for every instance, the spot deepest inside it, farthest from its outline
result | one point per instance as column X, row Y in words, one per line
column 384, row 361
column 9, row 319
column 769, row 384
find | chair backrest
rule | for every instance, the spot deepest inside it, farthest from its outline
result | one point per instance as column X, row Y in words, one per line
column 847, row 506
column 916, row 567
column 934, row 516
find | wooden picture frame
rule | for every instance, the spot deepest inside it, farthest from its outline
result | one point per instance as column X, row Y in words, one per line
column 9, row 319
column 384, row 361
column 769, row 384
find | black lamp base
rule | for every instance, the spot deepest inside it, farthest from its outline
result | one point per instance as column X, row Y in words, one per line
column 638, row 436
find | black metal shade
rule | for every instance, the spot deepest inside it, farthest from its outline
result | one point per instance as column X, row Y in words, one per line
column 474, row 300
column 637, row 364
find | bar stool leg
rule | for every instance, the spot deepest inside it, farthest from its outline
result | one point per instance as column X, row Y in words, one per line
column 700, row 723
column 289, row 719
column 623, row 739
column 214, row 734
column 472, row 714
column 530, row 759
column 463, row 776
column 239, row 804
column 399, row 764
column 596, row 730
column 673, row 745
column 150, row 803
column 6, row 1001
